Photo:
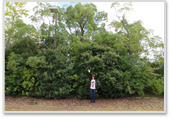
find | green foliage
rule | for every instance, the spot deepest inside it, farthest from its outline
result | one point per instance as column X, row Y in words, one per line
column 117, row 76
column 35, row 68
column 15, row 9
column 103, row 62
column 20, row 78
column 158, row 86
column 15, row 28
column 84, row 18
column 55, row 77
column 36, row 62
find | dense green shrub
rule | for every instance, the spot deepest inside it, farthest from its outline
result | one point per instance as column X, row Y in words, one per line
column 103, row 62
column 158, row 86
column 55, row 77
column 13, row 74
column 117, row 76
column 47, row 73
column 20, row 78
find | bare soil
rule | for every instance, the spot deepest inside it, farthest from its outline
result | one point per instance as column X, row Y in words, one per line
column 117, row 104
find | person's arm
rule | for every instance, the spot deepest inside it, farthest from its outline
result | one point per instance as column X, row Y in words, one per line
column 89, row 74
column 96, row 85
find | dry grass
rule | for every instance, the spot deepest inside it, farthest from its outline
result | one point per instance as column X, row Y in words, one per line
column 118, row 104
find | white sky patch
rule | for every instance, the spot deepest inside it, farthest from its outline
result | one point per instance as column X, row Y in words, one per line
column 151, row 14
column 29, row 6
column 55, row 3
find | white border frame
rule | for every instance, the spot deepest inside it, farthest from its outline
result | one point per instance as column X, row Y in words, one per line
column 123, row 112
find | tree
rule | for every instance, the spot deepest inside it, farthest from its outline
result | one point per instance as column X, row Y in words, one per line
column 133, row 37
column 46, row 30
column 41, row 12
column 82, row 20
column 134, row 43
column 13, row 14
column 19, row 31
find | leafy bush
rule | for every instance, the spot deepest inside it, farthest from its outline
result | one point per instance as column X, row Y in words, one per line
column 117, row 76
column 20, row 78
column 55, row 77
column 49, row 74
column 158, row 86
column 104, row 63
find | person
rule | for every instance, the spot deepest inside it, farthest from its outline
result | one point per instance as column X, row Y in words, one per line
column 93, row 87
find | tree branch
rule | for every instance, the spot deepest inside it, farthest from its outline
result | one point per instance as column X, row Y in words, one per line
column 122, row 21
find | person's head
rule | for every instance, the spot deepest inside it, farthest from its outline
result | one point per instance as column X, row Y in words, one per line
column 93, row 76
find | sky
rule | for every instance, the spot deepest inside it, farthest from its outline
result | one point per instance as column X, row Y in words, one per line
column 150, row 13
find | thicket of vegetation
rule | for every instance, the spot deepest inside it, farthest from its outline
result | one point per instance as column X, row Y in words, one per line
column 33, row 67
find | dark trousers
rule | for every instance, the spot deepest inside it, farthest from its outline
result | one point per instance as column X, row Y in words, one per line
column 93, row 95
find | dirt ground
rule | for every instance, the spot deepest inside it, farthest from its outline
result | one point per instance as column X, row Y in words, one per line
column 117, row 104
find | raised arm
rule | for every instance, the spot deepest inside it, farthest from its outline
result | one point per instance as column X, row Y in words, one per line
column 96, row 85
column 89, row 74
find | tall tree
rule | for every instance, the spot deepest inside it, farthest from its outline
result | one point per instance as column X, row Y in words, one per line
column 45, row 21
column 82, row 20
column 13, row 12
column 132, row 38
column 15, row 28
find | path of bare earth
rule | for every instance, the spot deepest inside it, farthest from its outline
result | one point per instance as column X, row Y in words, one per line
column 117, row 104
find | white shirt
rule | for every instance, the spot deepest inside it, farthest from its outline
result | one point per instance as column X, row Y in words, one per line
column 93, row 84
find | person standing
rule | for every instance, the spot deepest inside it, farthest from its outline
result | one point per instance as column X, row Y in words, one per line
column 93, row 87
